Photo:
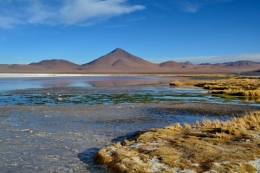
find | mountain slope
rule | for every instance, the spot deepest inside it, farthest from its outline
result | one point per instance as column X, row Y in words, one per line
column 239, row 63
column 54, row 64
column 45, row 66
column 171, row 64
column 119, row 60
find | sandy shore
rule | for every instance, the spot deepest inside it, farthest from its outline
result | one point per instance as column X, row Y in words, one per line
column 65, row 138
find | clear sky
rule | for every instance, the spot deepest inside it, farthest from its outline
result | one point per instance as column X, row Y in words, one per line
column 156, row 30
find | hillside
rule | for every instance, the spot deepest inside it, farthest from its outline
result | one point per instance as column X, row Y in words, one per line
column 121, row 61
column 117, row 61
column 54, row 64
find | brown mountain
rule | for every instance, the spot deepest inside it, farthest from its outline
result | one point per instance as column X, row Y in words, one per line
column 240, row 63
column 242, row 66
column 18, row 68
column 187, row 63
column 171, row 64
column 117, row 61
column 120, row 61
column 46, row 66
column 55, row 64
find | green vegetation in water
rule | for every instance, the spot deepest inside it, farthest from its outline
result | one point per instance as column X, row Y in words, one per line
column 103, row 98
column 39, row 103
column 7, row 95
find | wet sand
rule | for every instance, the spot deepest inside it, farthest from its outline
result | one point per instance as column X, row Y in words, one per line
column 65, row 138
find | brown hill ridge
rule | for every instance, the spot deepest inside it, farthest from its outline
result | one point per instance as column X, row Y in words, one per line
column 171, row 64
column 45, row 66
column 55, row 63
column 121, row 61
column 117, row 61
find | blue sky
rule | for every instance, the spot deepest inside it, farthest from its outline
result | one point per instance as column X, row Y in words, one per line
column 83, row 30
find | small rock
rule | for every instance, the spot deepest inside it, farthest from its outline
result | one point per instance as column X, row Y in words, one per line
column 14, row 164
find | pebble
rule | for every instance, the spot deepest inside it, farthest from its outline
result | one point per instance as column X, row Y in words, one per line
column 59, row 99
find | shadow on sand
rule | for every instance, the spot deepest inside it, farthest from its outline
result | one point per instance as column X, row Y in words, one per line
column 87, row 156
column 127, row 136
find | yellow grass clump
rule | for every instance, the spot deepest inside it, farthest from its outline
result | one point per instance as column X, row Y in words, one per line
column 233, row 86
column 205, row 75
column 208, row 146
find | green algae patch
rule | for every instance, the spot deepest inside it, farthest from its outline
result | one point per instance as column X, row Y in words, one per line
column 212, row 146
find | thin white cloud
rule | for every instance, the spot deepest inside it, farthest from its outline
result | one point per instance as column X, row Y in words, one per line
column 58, row 12
column 190, row 7
column 193, row 6
column 17, row 57
column 8, row 22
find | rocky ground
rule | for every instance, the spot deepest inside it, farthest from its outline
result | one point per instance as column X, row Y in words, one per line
column 65, row 138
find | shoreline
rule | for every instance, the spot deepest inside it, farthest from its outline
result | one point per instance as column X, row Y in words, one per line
column 24, row 75
column 48, row 75
column 9, row 75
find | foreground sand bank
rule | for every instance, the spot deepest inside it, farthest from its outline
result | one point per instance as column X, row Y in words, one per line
column 65, row 138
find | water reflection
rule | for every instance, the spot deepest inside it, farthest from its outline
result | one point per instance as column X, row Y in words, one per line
column 86, row 81
column 91, row 90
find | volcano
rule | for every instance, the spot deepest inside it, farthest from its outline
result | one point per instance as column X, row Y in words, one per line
column 119, row 60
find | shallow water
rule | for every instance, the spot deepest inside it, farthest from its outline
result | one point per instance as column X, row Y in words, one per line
column 93, row 90
column 108, row 90
column 65, row 138
column 58, row 124
column 15, row 83
column 114, row 95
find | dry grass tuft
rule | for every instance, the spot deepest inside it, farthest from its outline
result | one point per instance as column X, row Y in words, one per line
column 248, row 88
column 206, row 75
column 208, row 146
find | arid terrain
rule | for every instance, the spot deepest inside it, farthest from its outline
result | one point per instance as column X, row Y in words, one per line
column 120, row 61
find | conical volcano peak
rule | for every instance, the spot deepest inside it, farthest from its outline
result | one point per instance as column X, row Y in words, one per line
column 122, row 56
column 118, row 50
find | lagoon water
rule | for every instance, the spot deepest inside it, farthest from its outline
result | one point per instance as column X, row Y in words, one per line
column 92, row 90
column 14, row 82
column 57, row 124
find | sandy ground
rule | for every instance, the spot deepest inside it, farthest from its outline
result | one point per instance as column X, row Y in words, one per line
column 65, row 138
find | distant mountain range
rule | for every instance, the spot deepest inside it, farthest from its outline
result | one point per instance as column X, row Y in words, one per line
column 120, row 61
